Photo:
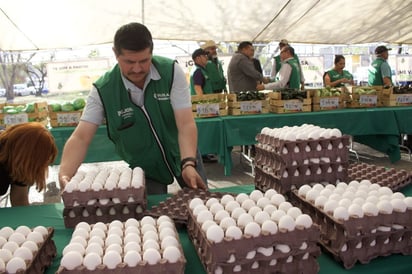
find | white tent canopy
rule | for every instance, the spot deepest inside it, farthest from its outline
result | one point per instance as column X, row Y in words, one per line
column 51, row 24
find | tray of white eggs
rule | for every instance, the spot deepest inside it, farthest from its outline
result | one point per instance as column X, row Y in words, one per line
column 259, row 232
column 148, row 246
column 26, row 250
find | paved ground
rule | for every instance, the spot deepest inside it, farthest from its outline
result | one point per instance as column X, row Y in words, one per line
column 241, row 173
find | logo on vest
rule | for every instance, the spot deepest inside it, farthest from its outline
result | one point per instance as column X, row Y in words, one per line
column 161, row 96
column 125, row 113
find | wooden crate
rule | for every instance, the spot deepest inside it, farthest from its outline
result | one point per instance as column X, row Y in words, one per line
column 209, row 105
column 38, row 115
column 288, row 106
column 327, row 103
column 390, row 98
column 369, row 100
column 64, row 118
column 246, row 107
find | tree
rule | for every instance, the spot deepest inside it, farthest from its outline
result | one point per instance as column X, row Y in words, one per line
column 37, row 76
column 12, row 71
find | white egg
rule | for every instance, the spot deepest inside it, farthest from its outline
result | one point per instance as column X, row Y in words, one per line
column 164, row 219
column 95, row 232
column 76, row 247
column 253, row 210
column 25, row 230
column 237, row 212
column 6, row 231
column 150, row 243
column 164, row 225
column 255, row 195
column 320, row 201
column 5, row 255
column 113, row 239
column 232, row 205
column 169, row 241
column 2, row 266
column 244, row 219
column 11, row 246
column 385, row 207
column 303, row 221
column 117, row 223
column 241, row 197
column 42, row 230
column 261, row 217
column 24, row 253
column 286, row 223
column 285, row 206
column 92, row 260
column 132, row 258
column 303, row 190
column 370, row 209
column 31, row 245
column 399, row 205
column 199, row 208
column 276, row 215
column 330, row 206
column 171, row 254
column 35, row 236
column 226, row 198
column 195, row 202
column 151, row 256
column 131, row 237
column 227, row 222
column 211, row 201
column 131, row 222
column 270, row 227
column 100, row 225
column 341, row 213
column 355, row 210
column 151, row 235
column 206, row 224
column 215, row 207
column 94, row 248
column 294, row 212
column 234, row 232
column 111, row 259
column 80, row 232
column 247, row 204
column 269, row 209
column 132, row 230
column 269, row 193
column 17, row 237
column 215, row 234
column 204, row 216
column 15, row 264
column 408, row 202
column 148, row 227
column 71, row 260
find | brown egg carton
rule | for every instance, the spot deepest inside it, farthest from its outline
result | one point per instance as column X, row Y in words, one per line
column 176, row 206
column 395, row 179
column 217, row 255
column 43, row 257
column 298, row 151
column 103, row 213
column 266, row 179
column 360, row 239
column 123, row 195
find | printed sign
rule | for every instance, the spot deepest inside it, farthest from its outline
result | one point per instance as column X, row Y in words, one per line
column 207, row 110
column 251, row 107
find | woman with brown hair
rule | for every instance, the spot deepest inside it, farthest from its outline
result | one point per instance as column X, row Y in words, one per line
column 26, row 151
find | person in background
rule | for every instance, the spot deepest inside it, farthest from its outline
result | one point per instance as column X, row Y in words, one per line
column 289, row 74
column 146, row 102
column 379, row 72
column 200, row 82
column 242, row 74
column 277, row 63
column 214, row 68
column 257, row 65
column 26, row 151
column 338, row 77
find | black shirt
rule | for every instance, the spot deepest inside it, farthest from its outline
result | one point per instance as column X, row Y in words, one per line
column 5, row 180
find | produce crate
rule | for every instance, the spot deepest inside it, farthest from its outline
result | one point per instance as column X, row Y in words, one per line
column 64, row 118
column 209, row 105
column 364, row 97
column 23, row 113
column 236, row 107
column 397, row 96
column 328, row 99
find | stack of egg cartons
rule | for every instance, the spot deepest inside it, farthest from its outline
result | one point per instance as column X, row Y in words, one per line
column 359, row 221
column 256, row 233
column 103, row 194
column 294, row 156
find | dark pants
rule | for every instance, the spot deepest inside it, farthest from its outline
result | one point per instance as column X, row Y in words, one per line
column 153, row 187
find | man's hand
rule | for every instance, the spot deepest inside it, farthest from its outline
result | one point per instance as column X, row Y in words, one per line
column 63, row 180
column 192, row 178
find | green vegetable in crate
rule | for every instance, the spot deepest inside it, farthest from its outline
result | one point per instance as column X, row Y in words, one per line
column 29, row 108
column 11, row 111
column 67, row 107
column 79, row 103
column 56, row 107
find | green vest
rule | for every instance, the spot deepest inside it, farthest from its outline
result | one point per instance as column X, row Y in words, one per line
column 278, row 63
column 294, row 80
column 334, row 75
column 375, row 73
column 207, row 87
column 134, row 129
column 216, row 75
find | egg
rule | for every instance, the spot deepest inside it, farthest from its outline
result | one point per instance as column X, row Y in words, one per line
column 269, row 209
column 355, row 210
column 198, row 209
column 253, row 229
column 91, row 261
column 169, row 241
column 241, row 197
column 167, row 231
column 244, row 219
column 341, row 213
column 286, row 223
column 215, row 234
column 164, row 225
column 35, row 236
column 233, row 232
column 255, row 195
column 408, row 202
column 111, row 259
column 195, row 202
column 151, row 256
column 80, row 240
column 114, row 247
column 24, row 253
column 150, row 243
column 208, row 223
column 171, row 254
column 148, row 227
column 294, row 212
column 370, row 209
column 30, row 245
column 17, row 237
column 276, row 215
column 226, row 222
column 131, row 230
column 6, row 231
column 211, row 201
column 11, row 246
column 320, row 201
column 42, row 230
column 253, row 210
column 285, row 206
column 74, row 247
column 385, row 207
column 96, row 239
column 25, row 230
column 15, row 264
column 71, row 260
column 270, row 227
column 226, row 198
column 215, row 207
column 269, row 193
column 5, row 255
column 131, row 222
column 147, row 220
column 399, row 205
column 204, row 216
column 94, row 248
column 153, row 235
column 237, row 212
column 330, row 206
column 100, row 225
column 248, row 203
column 132, row 258
column 80, row 232
column 113, row 239
column 311, row 195
column 2, row 266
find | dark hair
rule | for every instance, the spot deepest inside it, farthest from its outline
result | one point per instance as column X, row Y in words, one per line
column 133, row 36
column 243, row 45
column 290, row 49
column 338, row 58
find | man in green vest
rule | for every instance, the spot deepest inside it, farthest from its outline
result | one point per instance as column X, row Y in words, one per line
column 200, row 82
column 379, row 72
column 214, row 68
column 289, row 74
column 146, row 103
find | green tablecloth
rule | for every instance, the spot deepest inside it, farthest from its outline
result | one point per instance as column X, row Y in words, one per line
column 378, row 128
column 51, row 215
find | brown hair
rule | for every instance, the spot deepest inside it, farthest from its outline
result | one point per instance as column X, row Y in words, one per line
column 27, row 150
